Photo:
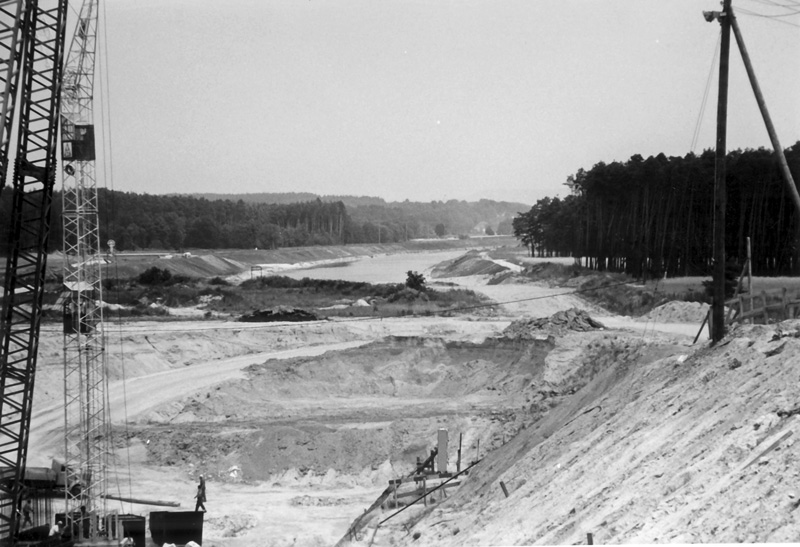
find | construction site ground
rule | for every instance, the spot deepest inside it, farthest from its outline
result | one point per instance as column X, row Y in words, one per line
column 628, row 432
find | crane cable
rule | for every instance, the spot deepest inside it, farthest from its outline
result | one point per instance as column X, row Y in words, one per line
column 108, row 179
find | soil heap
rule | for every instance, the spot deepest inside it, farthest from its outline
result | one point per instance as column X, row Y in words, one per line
column 573, row 319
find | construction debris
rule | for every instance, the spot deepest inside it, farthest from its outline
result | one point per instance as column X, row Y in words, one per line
column 560, row 322
column 279, row 313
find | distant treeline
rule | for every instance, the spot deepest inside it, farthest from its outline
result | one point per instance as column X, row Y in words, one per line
column 397, row 221
column 653, row 216
column 142, row 221
column 292, row 197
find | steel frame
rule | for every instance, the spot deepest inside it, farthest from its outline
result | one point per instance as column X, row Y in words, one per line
column 42, row 32
column 86, row 423
column 11, row 18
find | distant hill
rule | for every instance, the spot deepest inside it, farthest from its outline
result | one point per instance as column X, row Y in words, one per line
column 292, row 197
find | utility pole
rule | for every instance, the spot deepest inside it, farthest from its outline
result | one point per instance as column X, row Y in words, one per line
column 773, row 136
column 762, row 106
column 718, row 305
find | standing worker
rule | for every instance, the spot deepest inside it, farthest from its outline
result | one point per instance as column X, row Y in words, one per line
column 201, row 495
column 27, row 513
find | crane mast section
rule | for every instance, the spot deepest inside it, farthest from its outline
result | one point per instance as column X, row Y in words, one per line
column 85, row 412
column 11, row 19
column 40, row 59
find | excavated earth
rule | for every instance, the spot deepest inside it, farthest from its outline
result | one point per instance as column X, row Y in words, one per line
column 595, row 423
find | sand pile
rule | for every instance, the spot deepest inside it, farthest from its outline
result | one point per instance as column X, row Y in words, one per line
column 573, row 319
column 678, row 312
column 471, row 263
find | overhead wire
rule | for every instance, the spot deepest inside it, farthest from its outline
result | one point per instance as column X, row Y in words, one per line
column 655, row 318
column 704, row 102
column 108, row 180
column 775, row 18
column 791, row 3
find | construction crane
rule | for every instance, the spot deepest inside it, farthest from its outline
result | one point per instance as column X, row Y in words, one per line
column 32, row 36
column 86, row 422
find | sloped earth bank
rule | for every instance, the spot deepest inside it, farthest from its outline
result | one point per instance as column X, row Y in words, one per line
column 698, row 447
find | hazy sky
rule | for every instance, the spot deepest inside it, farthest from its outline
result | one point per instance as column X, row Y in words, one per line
column 428, row 99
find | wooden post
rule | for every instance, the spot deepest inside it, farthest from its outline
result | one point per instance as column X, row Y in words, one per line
column 764, row 302
column 441, row 454
column 784, row 305
column 589, row 539
column 720, row 195
column 458, row 462
column 425, row 490
column 703, row 324
column 741, row 305
column 749, row 269
column 503, row 486
column 731, row 311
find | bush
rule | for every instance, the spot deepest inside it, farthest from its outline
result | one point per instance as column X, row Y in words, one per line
column 154, row 276
column 415, row 281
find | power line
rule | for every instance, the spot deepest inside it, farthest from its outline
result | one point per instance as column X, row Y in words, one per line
column 791, row 3
column 700, row 114
column 774, row 18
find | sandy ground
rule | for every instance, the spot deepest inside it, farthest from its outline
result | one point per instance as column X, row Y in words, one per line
column 173, row 373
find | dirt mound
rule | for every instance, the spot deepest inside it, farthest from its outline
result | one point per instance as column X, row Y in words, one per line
column 550, row 271
column 189, row 265
column 397, row 367
column 573, row 319
column 472, row 263
column 280, row 313
column 678, row 312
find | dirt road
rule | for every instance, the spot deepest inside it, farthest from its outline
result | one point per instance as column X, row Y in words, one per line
column 140, row 395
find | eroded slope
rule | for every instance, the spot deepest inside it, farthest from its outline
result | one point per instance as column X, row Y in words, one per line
column 688, row 448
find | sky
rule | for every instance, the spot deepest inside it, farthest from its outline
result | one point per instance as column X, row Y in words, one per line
column 423, row 99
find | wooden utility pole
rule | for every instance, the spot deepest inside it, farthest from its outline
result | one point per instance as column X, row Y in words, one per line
column 773, row 136
column 720, row 195
column 762, row 105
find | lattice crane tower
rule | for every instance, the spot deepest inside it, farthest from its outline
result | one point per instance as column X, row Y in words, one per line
column 31, row 54
column 85, row 412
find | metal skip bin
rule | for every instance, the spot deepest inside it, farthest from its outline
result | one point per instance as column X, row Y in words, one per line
column 178, row 527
